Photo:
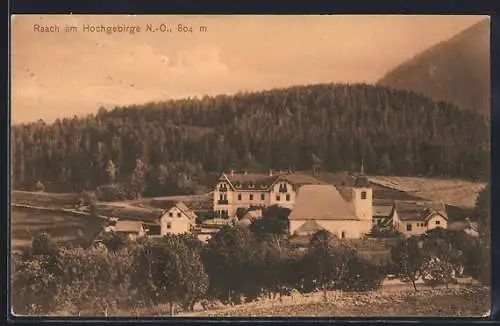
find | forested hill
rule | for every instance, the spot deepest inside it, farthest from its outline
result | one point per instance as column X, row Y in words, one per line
column 333, row 125
column 456, row 70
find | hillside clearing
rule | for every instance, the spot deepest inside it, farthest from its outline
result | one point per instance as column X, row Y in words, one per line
column 455, row 192
column 63, row 227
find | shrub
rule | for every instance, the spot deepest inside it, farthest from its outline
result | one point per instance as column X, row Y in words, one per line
column 39, row 186
column 358, row 274
column 93, row 280
column 112, row 192
column 34, row 288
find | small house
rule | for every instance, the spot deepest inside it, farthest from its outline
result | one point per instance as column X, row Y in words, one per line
column 417, row 217
column 177, row 218
column 133, row 229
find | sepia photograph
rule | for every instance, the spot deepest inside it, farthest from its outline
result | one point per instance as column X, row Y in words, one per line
column 250, row 166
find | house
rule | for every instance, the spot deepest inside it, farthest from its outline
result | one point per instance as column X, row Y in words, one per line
column 466, row 225
column 417, row 217
column 176, row 218
column 382, row 210
column 347, row 215
column 133, row 229
column 247, row 190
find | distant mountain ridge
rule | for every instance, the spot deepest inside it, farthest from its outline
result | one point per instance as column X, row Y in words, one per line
column 456, row 70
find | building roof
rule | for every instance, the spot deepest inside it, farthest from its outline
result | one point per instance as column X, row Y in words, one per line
column 361, row 181
column 419, row 210
column 262, row 182
column 138, row 214
column 181, row 206
column 382, row 210
column 308, row 228
column 321, row 202
column 128, row 226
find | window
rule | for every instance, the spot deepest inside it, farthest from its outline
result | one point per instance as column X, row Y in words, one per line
column 239, row 196
column 170, row 214
column 363, row 195
column 178, row 214
column 408, row 227
column 343, row 235
column 169, row 225
column 278, row 198
column 251, row 197
column 438, row 222
column 262, row 197
column 287, row 197
column 221, row 197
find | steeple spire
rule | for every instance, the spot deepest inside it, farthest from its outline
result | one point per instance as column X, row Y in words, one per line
column 362, row 172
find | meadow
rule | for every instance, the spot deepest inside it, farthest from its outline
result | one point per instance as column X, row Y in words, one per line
column 463, row 301
column 63, row 227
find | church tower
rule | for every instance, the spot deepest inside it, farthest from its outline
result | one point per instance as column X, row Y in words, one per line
column 362, row 198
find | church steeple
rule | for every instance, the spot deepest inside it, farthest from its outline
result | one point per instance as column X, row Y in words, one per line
column 361, row 180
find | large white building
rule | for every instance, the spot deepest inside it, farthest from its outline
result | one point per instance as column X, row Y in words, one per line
column 324, row 207
column 246, row 190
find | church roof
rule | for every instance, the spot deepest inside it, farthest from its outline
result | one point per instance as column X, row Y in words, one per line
column 321, row 202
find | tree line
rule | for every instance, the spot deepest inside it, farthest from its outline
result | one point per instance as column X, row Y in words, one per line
column 179, row 142
column 238, row 263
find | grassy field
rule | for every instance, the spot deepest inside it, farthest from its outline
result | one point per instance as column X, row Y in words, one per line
column 464, row 301
column 45, row 199
column 63, row 227
column 454, row 192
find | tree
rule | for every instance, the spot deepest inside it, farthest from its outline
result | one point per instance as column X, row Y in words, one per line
column 111, row 171
column 39, row 186
column 325, row 263
column 138, row 178
column 168, row 270
column 385, row 163
column 482, row 214
column 274, row 221
column 441, row 260
column 230, row 262
column 410, row 259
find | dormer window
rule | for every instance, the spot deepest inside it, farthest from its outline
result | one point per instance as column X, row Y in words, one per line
column 263, row 186
column 283, row 187
column 251, row 185
column 223, row 187
column 237, row 185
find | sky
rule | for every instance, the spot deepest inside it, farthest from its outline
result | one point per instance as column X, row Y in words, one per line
column 62, row 74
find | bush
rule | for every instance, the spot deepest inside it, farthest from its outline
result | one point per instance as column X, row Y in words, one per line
column 34, row 288
column 93, row 280
column 436, row 271
column 39, row 186
column 112, row 192
column 359, row 274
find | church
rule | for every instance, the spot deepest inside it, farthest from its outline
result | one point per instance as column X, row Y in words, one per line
column 322, row 206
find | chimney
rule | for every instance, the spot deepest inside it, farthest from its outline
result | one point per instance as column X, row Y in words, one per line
column 270, row 173
column 246, row 173
column 232, row 172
